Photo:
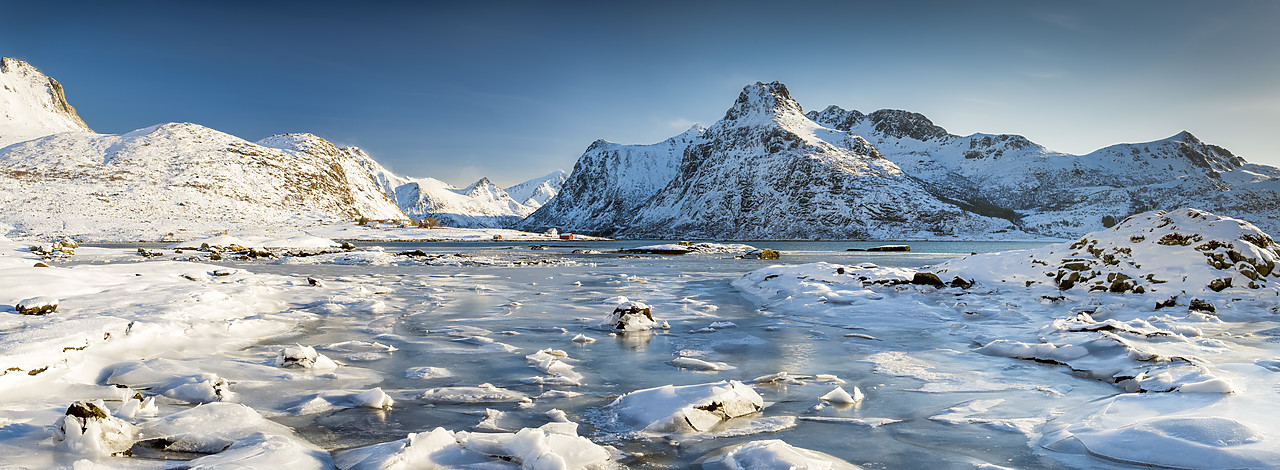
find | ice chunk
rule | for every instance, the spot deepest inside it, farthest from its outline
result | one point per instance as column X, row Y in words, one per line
column 583, row 339
column 781, row 377
column 700, row 365
column 548, row 361
column 484, row 393
column 771, row 454
column 136, row 405
column 427, row 372
column 839, row 396
column 872, row 422
column 689, row 408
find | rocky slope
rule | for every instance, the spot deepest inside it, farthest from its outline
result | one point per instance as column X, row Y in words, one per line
column 32, row 105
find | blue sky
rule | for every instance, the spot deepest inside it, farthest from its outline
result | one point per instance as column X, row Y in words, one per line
column 514, row 90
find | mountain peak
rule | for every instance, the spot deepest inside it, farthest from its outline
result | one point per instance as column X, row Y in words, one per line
column 1184, row 137
column 763, row 99
column 32, row 104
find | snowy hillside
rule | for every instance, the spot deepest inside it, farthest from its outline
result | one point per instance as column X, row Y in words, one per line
column 32, row 105
column 764, row 171
column 181, row 178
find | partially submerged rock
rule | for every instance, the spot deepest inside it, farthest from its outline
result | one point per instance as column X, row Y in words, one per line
column 763, row 254
column 88, row 427
column 632, row 316
column 304, row 357
column 685, row 409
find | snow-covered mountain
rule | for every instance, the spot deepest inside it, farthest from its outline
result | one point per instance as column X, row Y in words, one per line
column 763, row 171
column 1055, row 193
column 58, row 177
column 32, row 104
column 768, row 170
column 181, row 178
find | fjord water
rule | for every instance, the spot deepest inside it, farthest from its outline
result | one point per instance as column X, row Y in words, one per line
column 433, row 314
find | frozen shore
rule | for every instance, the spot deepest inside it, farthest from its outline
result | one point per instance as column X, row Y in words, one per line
column 318, row 356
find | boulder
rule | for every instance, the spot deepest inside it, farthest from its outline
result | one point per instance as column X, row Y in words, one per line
column 927, row 279
column 37, row 306
column 632, row 316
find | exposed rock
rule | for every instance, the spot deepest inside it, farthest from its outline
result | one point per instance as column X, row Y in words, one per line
column 1197, row 305
column 37, row 306
column 763, row 254
column 928, row 279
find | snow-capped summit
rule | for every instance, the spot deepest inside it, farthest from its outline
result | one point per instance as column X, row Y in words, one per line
column 33, row 104
column 763, row 100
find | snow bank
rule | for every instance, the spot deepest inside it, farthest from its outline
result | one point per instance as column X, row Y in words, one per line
column 1182, row 252
column 552, row 446
column 236, row 436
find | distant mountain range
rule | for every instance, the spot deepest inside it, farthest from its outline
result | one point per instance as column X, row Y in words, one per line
column 59, row 177
column 769, row 170
column 766, row 170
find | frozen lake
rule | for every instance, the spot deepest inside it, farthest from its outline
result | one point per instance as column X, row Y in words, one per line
column 498, row 349
column 430, row 308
